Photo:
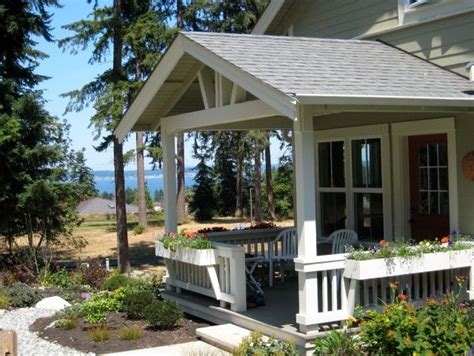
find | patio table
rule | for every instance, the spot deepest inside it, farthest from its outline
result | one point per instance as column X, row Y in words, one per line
column 251, row 263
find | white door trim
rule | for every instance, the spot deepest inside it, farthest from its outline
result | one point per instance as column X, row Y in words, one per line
column 401, row 183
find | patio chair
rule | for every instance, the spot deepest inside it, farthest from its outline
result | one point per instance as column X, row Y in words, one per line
column 342, row 238
column 283, row 248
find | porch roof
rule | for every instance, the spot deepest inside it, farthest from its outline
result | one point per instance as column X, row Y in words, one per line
column 285, row 71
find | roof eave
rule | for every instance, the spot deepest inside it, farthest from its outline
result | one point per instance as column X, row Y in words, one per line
column 267, row 17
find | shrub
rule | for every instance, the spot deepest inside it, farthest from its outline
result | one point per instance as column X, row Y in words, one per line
column 256, row 345
column 4, row 302
column 61, row 278
column 130, row 333
column 74, row 311
column 95, row 274
column 115, row 281
column 162, row 314
column 97, row 308
column 139, row 229
column 337, row 343
column 135, row 301
column 66, row 324
column 99, row 334
column 153, row 285
column 21, row 295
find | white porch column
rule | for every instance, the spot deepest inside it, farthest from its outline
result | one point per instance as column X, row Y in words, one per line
column 169, row 181
column 304, row 168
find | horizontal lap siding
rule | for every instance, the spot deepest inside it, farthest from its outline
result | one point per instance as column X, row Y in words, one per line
column 447, row 42
column 345, row 19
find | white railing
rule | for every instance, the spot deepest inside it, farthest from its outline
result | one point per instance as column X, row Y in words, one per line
column 223, row 278
column 343, row 284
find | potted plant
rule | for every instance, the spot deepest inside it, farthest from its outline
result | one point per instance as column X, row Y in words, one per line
column 399, row 258
column 189, row 247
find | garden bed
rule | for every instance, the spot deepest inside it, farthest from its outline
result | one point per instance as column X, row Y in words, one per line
column 79, row 338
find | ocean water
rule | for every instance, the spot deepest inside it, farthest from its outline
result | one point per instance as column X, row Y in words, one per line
column 105, row 182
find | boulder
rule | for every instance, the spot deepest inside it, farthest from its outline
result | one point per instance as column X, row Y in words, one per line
column 52, row 303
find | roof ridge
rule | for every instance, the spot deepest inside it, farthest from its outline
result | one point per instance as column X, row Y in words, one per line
column 287, row 38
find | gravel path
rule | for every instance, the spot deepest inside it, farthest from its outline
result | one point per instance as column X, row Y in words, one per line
column 29, row 343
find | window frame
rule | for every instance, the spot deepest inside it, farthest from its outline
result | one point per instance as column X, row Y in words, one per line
column 348, row 135
column 430, row 10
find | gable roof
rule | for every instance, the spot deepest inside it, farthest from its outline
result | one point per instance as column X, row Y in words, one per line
column 102, row 206
column 300, row 66
column 282, row 71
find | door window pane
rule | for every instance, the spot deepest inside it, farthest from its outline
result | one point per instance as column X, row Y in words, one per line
column 369, row 216
column 366, row 163
column 333, row 212
column 331, row 164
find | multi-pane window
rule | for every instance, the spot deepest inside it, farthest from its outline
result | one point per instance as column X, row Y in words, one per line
column 367, row 188
column 332, row 186
column 433, row 166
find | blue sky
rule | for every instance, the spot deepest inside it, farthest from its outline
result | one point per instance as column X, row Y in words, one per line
column 68, row 72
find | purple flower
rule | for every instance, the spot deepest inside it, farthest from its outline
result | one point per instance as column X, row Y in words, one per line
column 454, row 232
column 85, row 296
column 450, row 243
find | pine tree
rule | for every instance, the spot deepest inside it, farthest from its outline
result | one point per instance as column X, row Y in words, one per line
column 82, row 175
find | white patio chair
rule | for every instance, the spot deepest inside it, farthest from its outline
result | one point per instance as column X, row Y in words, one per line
column 283, row 248
column 342, row 238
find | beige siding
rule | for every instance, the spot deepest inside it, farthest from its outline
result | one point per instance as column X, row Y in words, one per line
column 465, row 144
column 448, row 42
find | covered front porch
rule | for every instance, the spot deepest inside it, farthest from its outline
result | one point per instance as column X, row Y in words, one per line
column 379, row 138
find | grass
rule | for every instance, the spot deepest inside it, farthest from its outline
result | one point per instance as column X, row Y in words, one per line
column 99, row 334
column 66, row 324
column 131, row 333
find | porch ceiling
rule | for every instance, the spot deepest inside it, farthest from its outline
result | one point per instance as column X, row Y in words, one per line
column 284, row 71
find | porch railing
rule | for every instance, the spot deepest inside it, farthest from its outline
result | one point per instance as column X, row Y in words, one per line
column 223, row 280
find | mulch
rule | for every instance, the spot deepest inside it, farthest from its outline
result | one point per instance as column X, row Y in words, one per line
column 79, row 337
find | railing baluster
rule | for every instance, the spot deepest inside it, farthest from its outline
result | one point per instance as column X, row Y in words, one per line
column 432, row 284
column 334, row 290
column 366, row 291
column 325, row 290
column 416, row 286
column 424, row 278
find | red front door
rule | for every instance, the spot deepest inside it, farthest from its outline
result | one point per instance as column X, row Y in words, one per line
column 429, row 195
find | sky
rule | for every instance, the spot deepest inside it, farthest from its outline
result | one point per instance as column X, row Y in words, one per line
column 69, row 72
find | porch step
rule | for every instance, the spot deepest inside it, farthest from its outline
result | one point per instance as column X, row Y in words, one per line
column 225, row 336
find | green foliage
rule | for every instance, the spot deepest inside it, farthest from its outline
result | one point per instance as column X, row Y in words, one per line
column 99, row 334
column 94, row 275
column 162, row 314
column 4, row 302
column 61, row 279
column 186, row 239
column 256, row 345
column 131, row 333
column 97, row 308
column 440, row 327
column 66, row 324
column 115, row 281
column 135, row 302
column 21, row 295
column 338, row 343
column 139, row 229
column 202, row 202
column 74, row 311
column 283, row 189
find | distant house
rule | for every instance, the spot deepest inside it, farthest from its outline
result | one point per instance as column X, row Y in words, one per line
column 101, row 206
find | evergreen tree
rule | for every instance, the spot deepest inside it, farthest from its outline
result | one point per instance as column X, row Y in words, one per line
column 82, row 175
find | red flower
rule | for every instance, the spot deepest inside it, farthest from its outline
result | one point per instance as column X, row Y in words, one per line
column 445, row 240
column 190, row 234
column 204, row 236
column 403, row 297
column 382, row 242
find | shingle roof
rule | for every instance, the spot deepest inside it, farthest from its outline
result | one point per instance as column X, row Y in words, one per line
column 312, row 66
column 101, row 206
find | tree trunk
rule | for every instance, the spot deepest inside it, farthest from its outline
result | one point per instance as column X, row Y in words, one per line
column 121, row 212
column 269, row 181
column 141, row 180
column 239, row 187
column 258, row 187
column 181, row 198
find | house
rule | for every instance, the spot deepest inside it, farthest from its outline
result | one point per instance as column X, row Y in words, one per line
column 100, row 206
column 380, row 97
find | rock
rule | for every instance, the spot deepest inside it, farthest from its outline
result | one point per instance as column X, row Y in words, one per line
column 52, row 303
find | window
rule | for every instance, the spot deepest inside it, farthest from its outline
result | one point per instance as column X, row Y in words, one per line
column 332, row 186
column 415, row 3
column 418, row 11
column 367, row 188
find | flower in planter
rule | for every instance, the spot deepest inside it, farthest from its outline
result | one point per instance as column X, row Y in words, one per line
column 444, row 241
column 402, row 297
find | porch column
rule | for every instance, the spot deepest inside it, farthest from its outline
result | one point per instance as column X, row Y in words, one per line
column 304, row 168
column 169, row 181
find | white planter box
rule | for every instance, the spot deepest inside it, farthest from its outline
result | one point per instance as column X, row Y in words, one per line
column 398, row 266
column 192, row 256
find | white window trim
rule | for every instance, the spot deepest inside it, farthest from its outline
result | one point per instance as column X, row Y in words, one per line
column 430, row 10
column 401, row 181
column 348, row 135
